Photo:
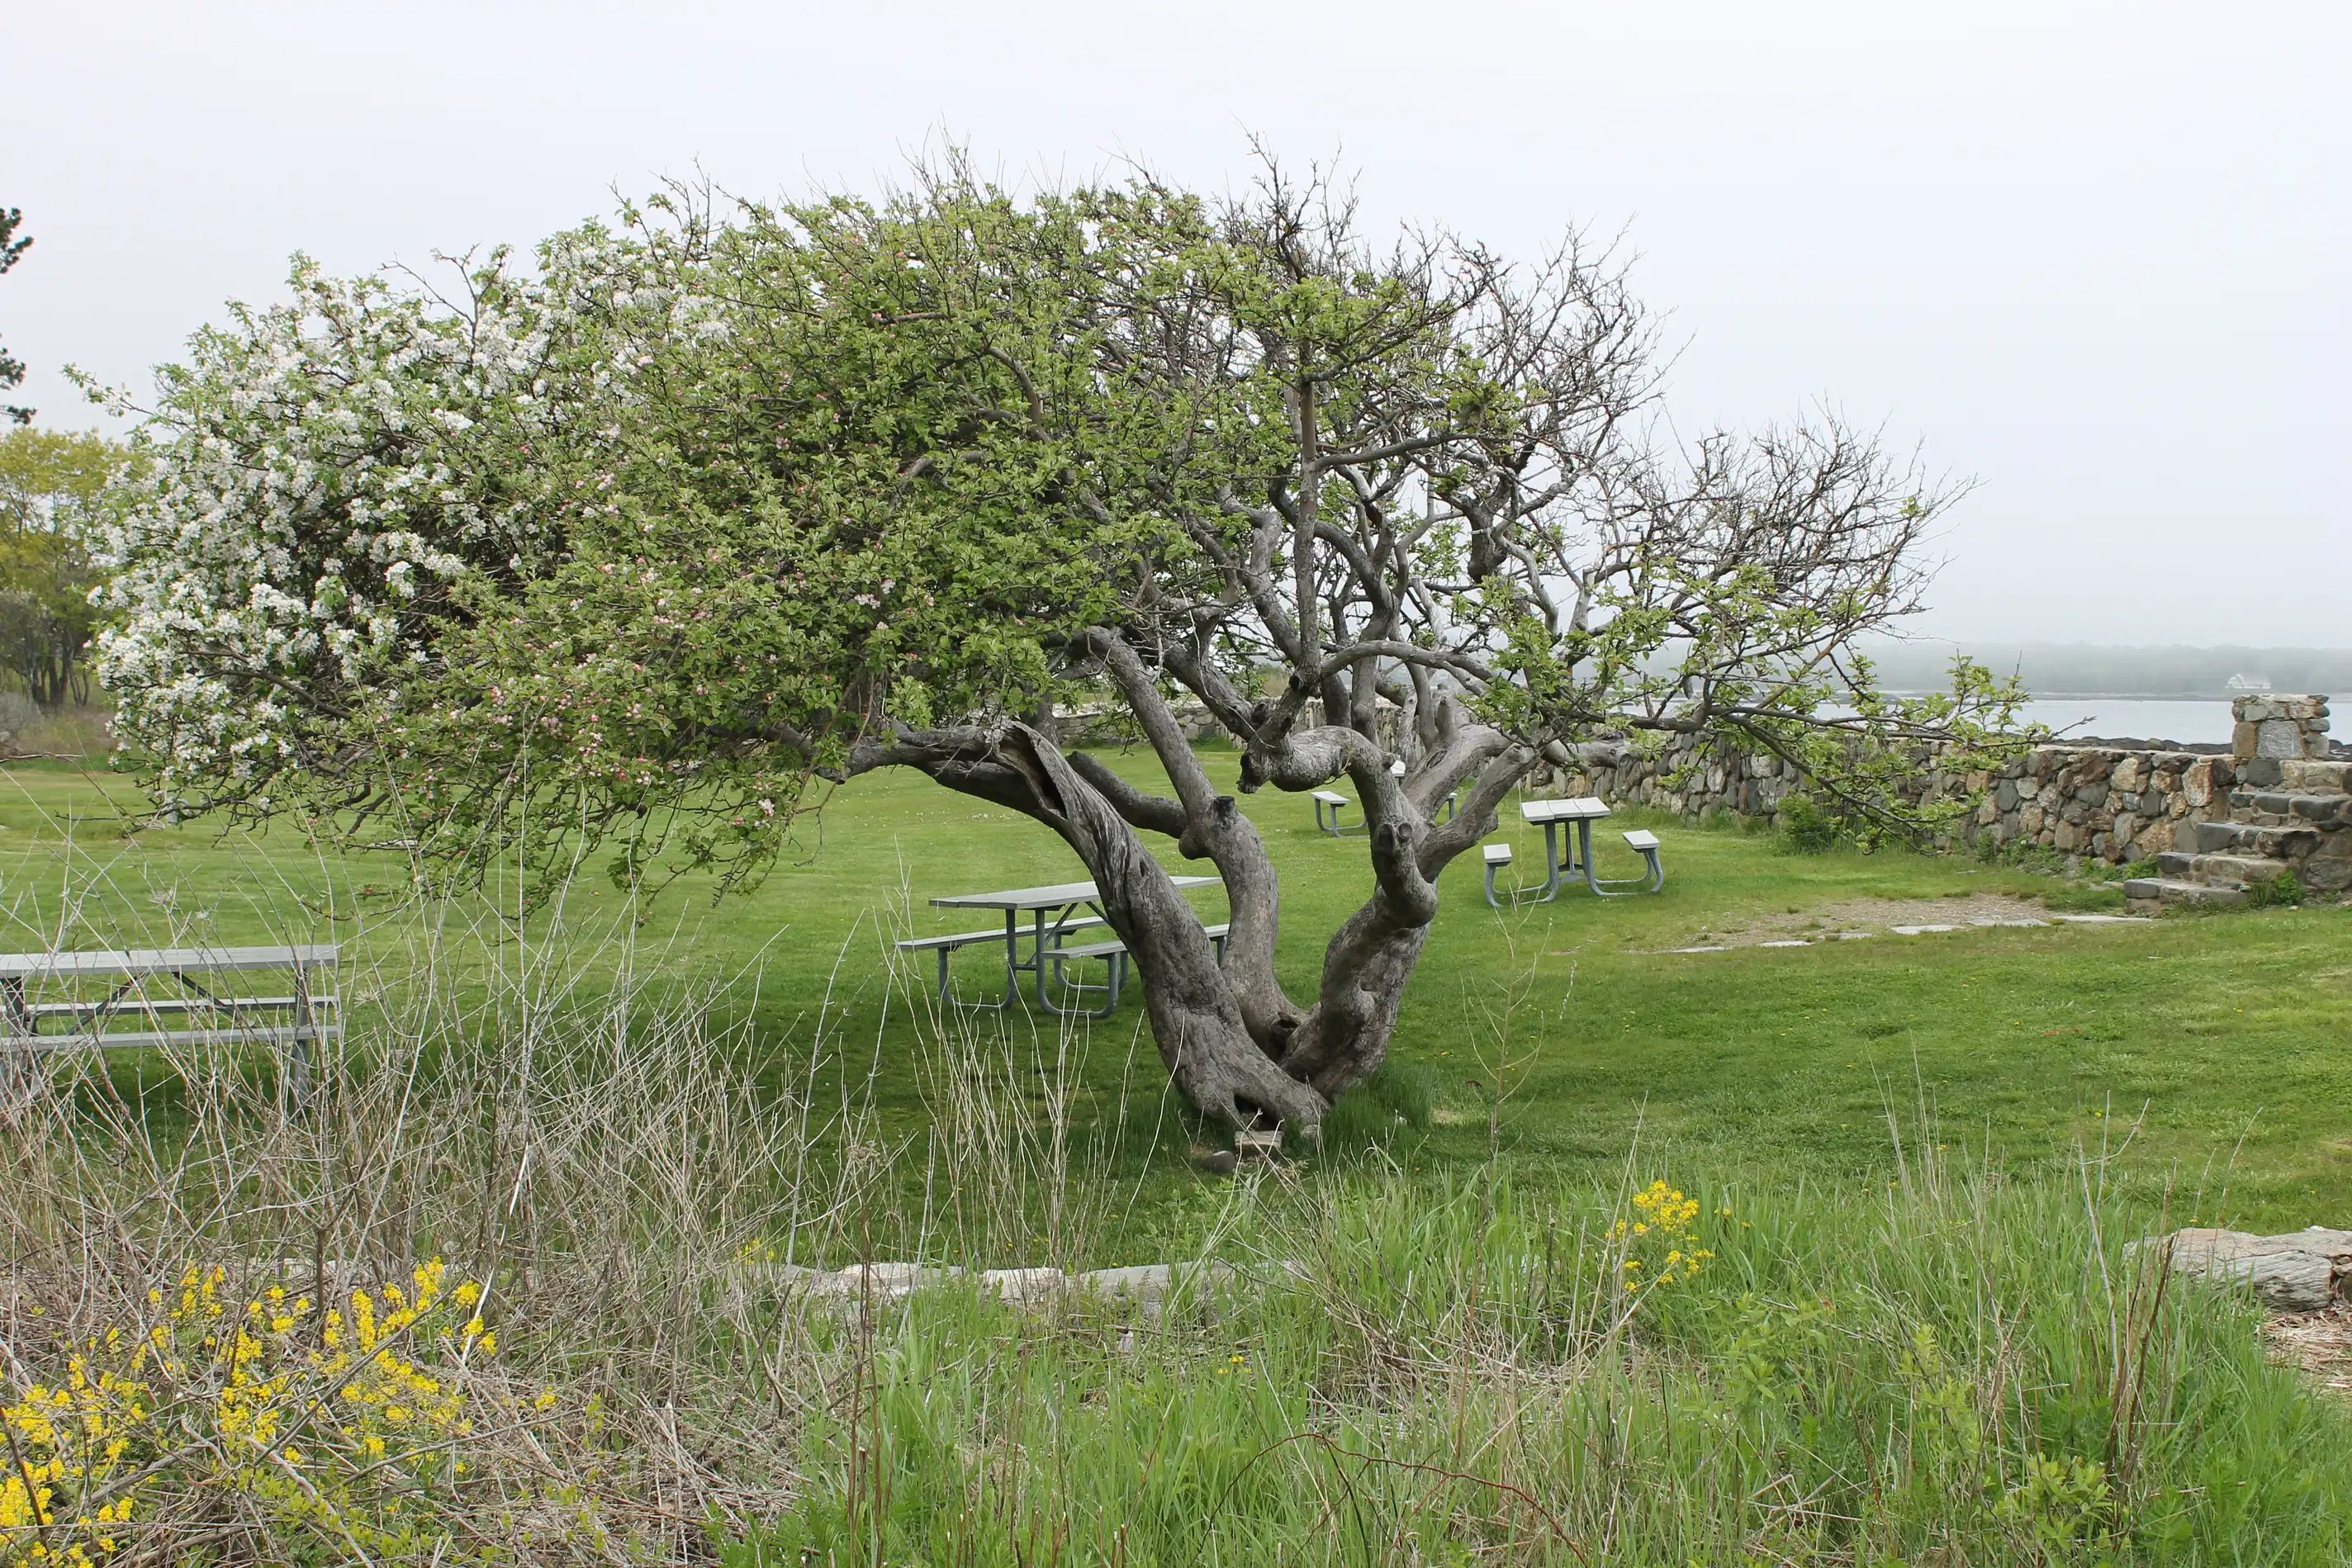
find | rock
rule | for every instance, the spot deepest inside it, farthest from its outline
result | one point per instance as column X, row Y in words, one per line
column 1257, row 1148
column 2261, row 773
column 2297, row 1273
column 857, row 1283
column 882, row 1281
column 1144, row 1285
column 1145, row 1282
column 2279, row 737
column 1024, row 1287
column 1148, row 1285
column 2330, row 869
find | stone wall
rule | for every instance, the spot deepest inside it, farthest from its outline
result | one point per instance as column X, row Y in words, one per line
column 2279, row 728
column 2276, row 803
column 2111, row 803
column 2105, row 804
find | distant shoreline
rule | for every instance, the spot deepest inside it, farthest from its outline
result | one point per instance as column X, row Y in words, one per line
column 2075, row 697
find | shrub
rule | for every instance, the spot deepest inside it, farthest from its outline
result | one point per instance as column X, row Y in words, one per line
column 330, row 1419
column 2282, row 890
column 1805, row 827
column 18, row 713
column 2084, row 896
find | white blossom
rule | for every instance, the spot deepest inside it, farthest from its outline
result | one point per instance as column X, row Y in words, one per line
column 316, row 476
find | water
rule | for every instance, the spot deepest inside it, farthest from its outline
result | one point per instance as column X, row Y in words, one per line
column 2141, row 718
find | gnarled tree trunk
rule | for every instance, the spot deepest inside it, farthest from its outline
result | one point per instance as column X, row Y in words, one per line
column 1197, row 1016
column 1235, row 1043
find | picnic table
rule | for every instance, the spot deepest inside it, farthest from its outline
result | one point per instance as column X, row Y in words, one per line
column 295, row 1024
column 1580, row 811
column 1053, row 912
column 1330, row 803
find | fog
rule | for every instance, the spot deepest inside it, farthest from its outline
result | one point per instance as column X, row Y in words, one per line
column 2089, row 258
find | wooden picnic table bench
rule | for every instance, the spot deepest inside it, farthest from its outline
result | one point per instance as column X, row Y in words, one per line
column 295, row 1024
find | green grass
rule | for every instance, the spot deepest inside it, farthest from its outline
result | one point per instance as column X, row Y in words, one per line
column 1917, row 1161
column 1958, row 1372
column 2204, row 1054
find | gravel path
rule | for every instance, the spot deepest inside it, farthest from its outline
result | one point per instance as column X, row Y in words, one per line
column 1857, row 918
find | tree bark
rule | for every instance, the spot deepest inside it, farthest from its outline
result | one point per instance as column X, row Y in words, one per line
column 1214, row 827
column 1234, row 1042
column 1196, row 1019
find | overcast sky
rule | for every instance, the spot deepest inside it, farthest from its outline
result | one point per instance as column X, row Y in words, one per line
column 2091, row 255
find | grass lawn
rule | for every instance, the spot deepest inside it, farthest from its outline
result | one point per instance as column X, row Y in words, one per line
column 2206, row 1055
column 1830, row 1351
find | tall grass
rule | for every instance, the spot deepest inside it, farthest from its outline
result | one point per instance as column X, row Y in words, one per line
column 1394, row 1367
column 1954, row 1372
column 589, row 1146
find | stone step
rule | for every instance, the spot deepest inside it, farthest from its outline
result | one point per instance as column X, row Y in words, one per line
column 2220, row 871
column 2319, row 811
column 2270, row 840
column 2312, row 777
column 2142, row 892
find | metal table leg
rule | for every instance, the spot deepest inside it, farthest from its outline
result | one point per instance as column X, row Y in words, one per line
column 1653, row 873
column 1012, row 973
column 1037, row 961
column 1520, row 897
column 1551, row 864
column 298, row 1062
column 20, row 1065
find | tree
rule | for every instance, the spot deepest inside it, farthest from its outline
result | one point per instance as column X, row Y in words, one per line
column 51, row 487
column 639, row 555
column 12, row 368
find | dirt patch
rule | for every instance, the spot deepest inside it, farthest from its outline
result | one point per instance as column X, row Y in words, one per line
column 2319, row 1344
column 1856, row 917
